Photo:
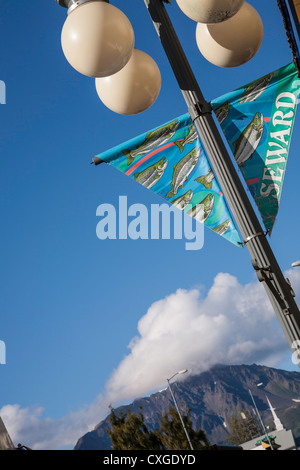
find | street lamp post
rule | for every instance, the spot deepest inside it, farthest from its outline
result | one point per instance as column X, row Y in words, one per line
column 261, row 421
column 254, row 237
column 262, row 257
column 177, row 408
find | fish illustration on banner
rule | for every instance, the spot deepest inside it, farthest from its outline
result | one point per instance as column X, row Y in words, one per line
column 171, row 161
column 257, row 121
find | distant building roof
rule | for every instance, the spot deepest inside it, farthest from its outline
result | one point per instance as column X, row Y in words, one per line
column 284, row 439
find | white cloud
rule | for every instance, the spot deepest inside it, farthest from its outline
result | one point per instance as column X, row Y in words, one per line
column 231, row 323
column 29, row 427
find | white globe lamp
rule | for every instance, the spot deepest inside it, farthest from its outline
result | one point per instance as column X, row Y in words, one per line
column 210, row 11
column 232, row 42
column 133, row 89
column 97, row 38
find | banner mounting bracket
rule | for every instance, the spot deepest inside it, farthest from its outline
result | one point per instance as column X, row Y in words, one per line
column 258, row 234
column 198, row 109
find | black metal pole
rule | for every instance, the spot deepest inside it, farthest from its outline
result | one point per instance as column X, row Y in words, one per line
column 262, row 257
column 295, row 18
column 286, row 8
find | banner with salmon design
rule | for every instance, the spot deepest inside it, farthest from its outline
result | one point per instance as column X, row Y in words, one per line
column 171, row 161
column 257, row 121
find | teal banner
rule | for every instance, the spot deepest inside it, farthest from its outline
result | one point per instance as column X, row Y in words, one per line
column 171, row 161
column 257, row 121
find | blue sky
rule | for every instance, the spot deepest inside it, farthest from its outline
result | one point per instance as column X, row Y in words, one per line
column 76, row 312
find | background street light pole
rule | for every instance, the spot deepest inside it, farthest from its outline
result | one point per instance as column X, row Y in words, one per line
column 262, row 257
column 261, row 421
column 177, row 408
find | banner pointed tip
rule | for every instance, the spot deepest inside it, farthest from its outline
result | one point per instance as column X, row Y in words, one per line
column 96, row 161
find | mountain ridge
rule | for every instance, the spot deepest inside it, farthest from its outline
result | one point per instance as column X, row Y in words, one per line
column 213, row 397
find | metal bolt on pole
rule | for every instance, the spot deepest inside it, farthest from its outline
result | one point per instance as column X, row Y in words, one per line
column 263, row 260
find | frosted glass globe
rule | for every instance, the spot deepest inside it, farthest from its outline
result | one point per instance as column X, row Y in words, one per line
column 232, row 42
column 210, row 11
column 133, row 89
column 97, row 39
